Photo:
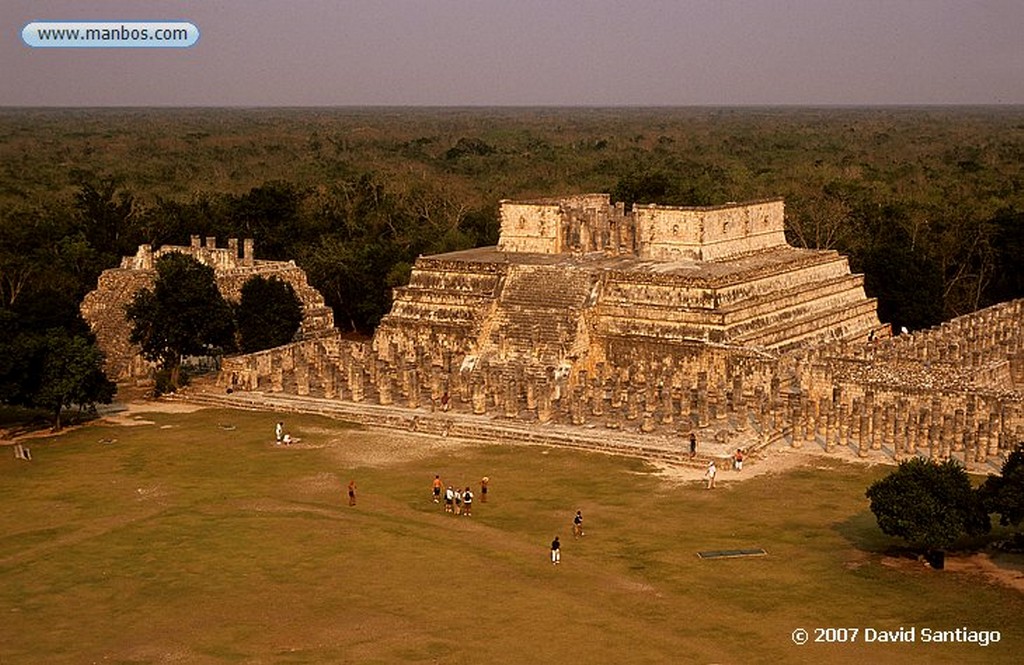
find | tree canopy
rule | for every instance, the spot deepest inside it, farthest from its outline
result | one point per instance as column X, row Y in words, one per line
column 184, row 314
column 53, row 369
column 70, row 373
column 268, row 314
column 926, row 503
column 929, row 203
column 1004, row 494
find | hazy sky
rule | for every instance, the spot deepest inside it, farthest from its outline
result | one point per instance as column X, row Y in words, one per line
column 530, row 52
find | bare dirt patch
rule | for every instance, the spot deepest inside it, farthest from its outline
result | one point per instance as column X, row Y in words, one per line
column 993, row 568
column 775, row 459
column 383, row 448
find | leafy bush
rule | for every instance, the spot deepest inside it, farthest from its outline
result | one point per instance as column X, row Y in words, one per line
column 929, row 504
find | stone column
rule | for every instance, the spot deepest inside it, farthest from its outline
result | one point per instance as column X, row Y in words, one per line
column 632, row 405
column 413, row 383
column 666, row 403
column 545, row 409
column 737, row 392
column 331, row 390
column 876, row 426
column 899, row 442
column 355, row 382
column 810, row 419
column 843, row 424
column 958, row 431
column 479, row 395
column 511, row 400
column 830, row 430
column 277, row 379
column 703, row 419
column 301, row 378
column 741, row 414
column 795, row 417
column 888, row 427
column 597, row 397
column 385, row 388
column 993, row 434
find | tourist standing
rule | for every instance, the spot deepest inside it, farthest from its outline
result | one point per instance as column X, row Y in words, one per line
column 738, row 459
column 279, row 431
column 449, row 499
column 484, row 482
column 693, row 445
column 710, row 474
column 437, row 489
column 352, row 492
column 467, row 503
column 556, row 551
column 577, row 525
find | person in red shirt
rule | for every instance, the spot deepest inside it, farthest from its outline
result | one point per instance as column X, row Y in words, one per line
column 437, row 489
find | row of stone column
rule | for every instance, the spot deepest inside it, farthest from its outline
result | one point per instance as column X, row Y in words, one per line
column 903, row 423
column 906, row 425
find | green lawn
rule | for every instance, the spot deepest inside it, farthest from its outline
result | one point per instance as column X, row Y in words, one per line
column 183, row 541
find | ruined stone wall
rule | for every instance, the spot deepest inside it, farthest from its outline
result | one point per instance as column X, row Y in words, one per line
column 531, row 227
column 708, row 233
column 104, row 307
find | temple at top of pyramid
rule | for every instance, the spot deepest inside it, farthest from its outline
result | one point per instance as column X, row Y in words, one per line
column 579, row 280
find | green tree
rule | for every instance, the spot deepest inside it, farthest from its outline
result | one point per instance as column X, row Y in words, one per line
column 183, row 315
column 268, row 313
column 70, row 373
column 1004, row 494
column 928, row 504
column 52, row 370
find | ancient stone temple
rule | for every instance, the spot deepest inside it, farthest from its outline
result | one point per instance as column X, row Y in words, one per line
column 582, row 285
column 103, row 308
column 653, row 322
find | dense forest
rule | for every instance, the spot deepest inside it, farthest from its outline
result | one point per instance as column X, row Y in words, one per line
column 927, row 202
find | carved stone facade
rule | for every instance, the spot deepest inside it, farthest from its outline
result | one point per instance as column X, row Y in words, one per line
column 103, row 308
column 665, row 320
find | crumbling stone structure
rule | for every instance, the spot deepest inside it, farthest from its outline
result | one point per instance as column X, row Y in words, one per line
column 663, row 320
column 104, row 307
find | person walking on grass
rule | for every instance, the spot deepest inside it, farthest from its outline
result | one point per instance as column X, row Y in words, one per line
column 437, row 489
column 449, row 500
column 577, row 525
column 710, row 474
column 352, row 492
column 556, row 551
column 279, row 431
column 467, row 502
column 484, row 482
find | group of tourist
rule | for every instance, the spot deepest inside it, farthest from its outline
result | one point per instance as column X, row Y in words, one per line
column 737, row 464
column 458, row 501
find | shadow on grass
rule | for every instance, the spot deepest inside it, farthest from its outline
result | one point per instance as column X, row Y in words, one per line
column 862, row 532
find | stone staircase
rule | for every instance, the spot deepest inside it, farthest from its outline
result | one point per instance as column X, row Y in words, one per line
column 537, row 312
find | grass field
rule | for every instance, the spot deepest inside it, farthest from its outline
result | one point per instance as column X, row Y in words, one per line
column 191, row 538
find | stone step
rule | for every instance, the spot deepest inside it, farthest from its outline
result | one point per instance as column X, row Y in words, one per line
column 672, row 450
